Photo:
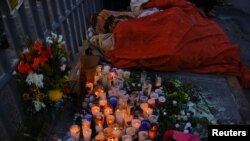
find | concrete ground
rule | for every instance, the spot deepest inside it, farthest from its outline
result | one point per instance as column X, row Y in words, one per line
column 224, row 96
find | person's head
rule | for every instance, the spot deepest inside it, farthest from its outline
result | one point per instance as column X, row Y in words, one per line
column 111, row 22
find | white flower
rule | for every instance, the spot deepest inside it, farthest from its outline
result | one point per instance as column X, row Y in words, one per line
column 188, row 125
column 133, row 84
column 164, row 113
column 14, row 73
column 53, row 35
column 174, row 102
column 139, row 85
column 25, row 50
column 186, row 131
column 126, row 74
column 177, row 125
column 188, row 114
column 63, row 67
column 60, row 39
column 185, row 118
column 36, row 79
column 182, row 112
column 49, row 40
column 38, row 105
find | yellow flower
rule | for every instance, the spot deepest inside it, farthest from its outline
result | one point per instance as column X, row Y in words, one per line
column 55, row 95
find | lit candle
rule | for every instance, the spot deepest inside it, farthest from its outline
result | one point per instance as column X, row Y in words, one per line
column 128, row 119
column 151, row 102
column 99, row 137
column 108, row 131
column 108, row 110
column 136, row 123
column 158, row 81
column 142, row 135
column 126, row 138
column 103, row 102
column 86, row 123
column 90, row 87
column 105, row 78
column 131, row 131
column 116, row 131
column 86, row 134
column 95, row 109
column 112, row 138
column 119, row 116
column 154, row 95
column 99, row 119
column 75, row 132
column 144, row 106
column 161, row 101
column 99, row 128
column 148, row 111
column 110, row 119
column 153, row 132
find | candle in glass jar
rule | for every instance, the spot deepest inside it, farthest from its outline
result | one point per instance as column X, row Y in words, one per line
column 89, row 87
column 142, row 135
column 111, row 138
column 119, row 116
column 147, row 112
column 108, row 110
column 151, row 102
column 158, row 81
column 86, row 134
column 99, row 119
column 86, row 123
column 128, row 119
column 131, row 131
column 95, row 109
column 99, row 128
column 75, row 132
column 126, row 138
column 153, row 131
column 136, row 123
column 99, row 137
column 144, row 106
column 103, row 102
column 116, row 131
column 110, row 119
column 108, row 131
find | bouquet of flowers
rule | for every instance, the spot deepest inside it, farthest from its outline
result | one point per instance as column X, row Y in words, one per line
column 43, row 73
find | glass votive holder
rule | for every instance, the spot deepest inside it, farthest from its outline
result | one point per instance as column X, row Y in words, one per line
column 86, row 123
column 143, row 99
column 136, row 123
column 131, row 131
column 75, row 131
column 142, row 135
column 110, row 120
column 99, row 137
column 126, row 138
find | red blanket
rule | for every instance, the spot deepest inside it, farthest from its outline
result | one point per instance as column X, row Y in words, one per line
column 179, row 38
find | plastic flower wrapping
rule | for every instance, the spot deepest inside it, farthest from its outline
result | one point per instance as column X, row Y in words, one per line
column 43, row 73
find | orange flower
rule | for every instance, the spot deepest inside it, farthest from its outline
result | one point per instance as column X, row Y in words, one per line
column 39, row 61
column 38, row 46
column 46, row 52
column 24, row 68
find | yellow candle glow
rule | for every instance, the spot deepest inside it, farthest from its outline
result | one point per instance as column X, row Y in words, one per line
column 136, row 123
column 75, row 131
column 86, row 123
column 110, row 119
column 108, row 110
column 99, row 137
column 112, row 139
column 103, row 102
column 95, row 109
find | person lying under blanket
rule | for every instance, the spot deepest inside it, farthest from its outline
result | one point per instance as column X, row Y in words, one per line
column 177, row 38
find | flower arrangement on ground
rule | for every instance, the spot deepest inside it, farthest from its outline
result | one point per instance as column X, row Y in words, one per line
column 43, row 73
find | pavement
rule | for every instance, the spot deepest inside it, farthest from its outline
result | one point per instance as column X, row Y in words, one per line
column 224, row 96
